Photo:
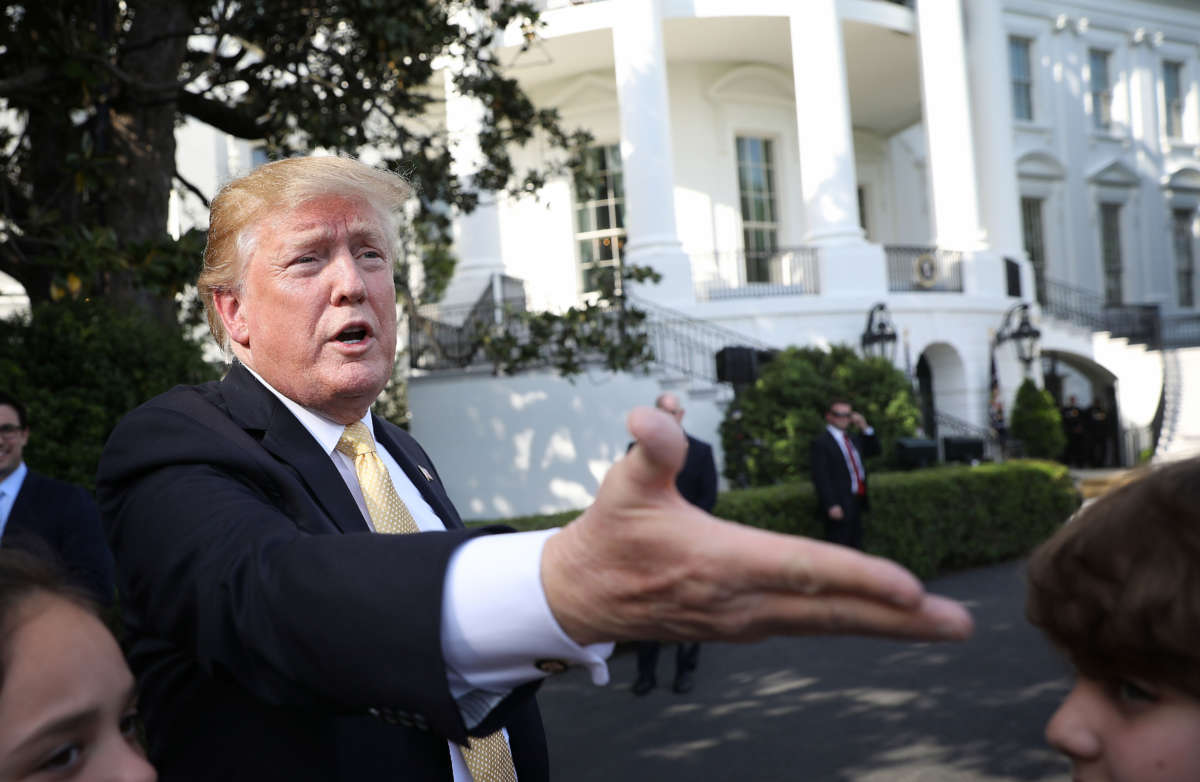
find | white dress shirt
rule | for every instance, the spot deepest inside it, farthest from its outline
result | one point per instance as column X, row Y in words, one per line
column 841, row 437
column 9, row 488
column 495, row 619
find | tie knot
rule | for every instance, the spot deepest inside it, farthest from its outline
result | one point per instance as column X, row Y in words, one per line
column 356, row 440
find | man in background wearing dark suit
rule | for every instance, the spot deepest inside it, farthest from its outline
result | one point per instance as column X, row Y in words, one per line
column 839, row 473
column 697, row 483
column 40, row 513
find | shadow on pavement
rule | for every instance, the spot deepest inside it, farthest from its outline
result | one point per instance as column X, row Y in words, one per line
column 845, row 709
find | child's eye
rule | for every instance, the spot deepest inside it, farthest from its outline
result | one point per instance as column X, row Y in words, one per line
column 128, row 725
column 1128, row 691
column 62, row 758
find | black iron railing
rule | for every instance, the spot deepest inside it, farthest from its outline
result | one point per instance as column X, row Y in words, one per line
column 786, row 271
column 685, row 345
column 1136, row 322
column 1181, row 331
column 483, row 334
column 452, row 337
column 923, row 269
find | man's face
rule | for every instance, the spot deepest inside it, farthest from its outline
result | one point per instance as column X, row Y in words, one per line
column 1128, row 731
column 670, row 404
column 838, row 416
column 12, row 440
column 315, row 314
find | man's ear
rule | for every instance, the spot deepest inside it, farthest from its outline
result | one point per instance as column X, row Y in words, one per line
column 229, row 306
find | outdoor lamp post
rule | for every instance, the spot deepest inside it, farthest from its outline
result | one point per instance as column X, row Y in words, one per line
column 1023, row 333
column 879, row 337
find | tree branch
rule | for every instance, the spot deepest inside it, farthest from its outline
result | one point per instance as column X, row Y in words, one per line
column 31, row 78
column 237, row 122
column 192, row 189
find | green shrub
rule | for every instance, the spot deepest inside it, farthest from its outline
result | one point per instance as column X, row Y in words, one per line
column 768, row 430
column 1037, row 423
column 81, row 365
column 931, row 521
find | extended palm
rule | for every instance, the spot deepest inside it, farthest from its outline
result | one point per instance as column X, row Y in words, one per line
column 643, row 563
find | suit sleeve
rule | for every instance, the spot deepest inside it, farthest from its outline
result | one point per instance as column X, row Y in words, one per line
column 83, row 545
column 219, row 557
column 708, row 480
column 868, row 445
column 822, row 480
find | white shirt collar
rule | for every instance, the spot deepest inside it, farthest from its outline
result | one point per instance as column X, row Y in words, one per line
column 327, row 433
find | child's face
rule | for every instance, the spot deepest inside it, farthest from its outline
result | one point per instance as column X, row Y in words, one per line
column 1128, row 731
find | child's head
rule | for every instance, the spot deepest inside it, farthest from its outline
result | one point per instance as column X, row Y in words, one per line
column 66, row 696
column 1118, row 590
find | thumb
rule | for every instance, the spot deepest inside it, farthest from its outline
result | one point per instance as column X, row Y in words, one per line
column 660, row 449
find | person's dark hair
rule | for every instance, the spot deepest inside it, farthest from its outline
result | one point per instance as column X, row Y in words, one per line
column 1117, row 588
column 837, row 400
column 10, row 400
column 24, row 575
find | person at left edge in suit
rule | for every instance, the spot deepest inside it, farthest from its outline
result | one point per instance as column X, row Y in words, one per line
column 839, row 473
column 697, row 483
column 63, row 516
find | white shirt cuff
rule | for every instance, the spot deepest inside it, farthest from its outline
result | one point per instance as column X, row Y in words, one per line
column 496, row 623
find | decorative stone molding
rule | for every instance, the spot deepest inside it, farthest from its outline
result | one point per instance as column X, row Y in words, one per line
column 1151, row 38
column 1064, row 23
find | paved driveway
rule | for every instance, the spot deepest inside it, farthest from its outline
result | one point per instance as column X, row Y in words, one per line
column 829, row 709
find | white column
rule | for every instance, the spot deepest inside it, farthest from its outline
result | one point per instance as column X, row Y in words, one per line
column 1079, row 263
column 947, row 107
column 476, row 235
column 993, row 124
column 1151, row 252
column 641, row 73
column 827, row 177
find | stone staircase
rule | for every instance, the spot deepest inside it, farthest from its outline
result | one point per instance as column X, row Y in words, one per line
column 1180, row 435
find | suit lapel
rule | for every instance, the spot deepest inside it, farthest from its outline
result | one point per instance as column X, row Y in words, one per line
column 421, row 476
column 263, row 416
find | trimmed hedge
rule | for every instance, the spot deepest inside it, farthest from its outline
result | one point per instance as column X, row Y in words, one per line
column 931, row 521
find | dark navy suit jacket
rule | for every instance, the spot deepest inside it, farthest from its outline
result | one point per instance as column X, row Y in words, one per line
column 273, row 636
column 49, row 513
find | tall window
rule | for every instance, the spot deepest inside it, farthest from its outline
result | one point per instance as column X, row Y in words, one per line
column 1174, row 99
column 1185, row 262
column 1110, row 248
column 756, row 188
column 1035, row 242
column 1101, row 89
column 1021, row 75
column 600, row 217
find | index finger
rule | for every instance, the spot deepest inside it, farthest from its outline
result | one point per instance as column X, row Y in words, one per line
column 789, row 563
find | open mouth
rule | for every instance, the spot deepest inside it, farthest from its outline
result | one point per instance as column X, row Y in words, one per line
column 352, row 336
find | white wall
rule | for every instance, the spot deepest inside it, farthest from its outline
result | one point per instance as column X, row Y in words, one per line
column 534, row 443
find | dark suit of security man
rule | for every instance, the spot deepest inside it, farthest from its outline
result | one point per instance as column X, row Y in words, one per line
column 839, row 473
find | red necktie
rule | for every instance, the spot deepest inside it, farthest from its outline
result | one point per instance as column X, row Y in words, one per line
column 858, row 474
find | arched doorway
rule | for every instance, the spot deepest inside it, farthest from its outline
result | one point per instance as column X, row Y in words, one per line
column 942, row 385
column 1086, row 393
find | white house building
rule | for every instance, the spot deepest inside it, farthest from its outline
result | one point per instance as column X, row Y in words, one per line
column 788, row 165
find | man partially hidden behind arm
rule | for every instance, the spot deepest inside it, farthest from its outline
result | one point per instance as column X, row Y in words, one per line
column 276, row 637
column 48, row 516
column 697, row 483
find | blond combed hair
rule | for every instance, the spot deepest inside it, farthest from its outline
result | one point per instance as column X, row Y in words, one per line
column 242, row 205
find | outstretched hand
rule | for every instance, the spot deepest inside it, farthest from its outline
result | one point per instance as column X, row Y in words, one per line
column 642, row 562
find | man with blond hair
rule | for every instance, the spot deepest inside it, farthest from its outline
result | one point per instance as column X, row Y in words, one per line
column 276, row 637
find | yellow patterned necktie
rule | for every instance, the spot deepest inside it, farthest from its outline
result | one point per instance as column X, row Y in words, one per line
column 488, row 758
